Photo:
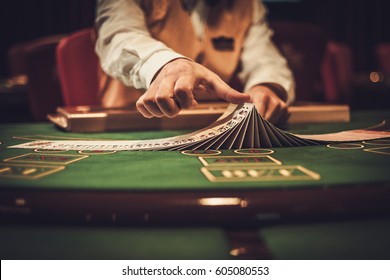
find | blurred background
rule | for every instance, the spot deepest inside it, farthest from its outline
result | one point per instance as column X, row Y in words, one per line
column 339, row 51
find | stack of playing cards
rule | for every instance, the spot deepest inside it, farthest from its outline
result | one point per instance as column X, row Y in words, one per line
column 240, row 126
column 252, row 131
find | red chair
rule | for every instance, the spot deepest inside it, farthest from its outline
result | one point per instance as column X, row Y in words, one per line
column 77, row 66
column 303, row 45
column 322, row 68
column 337, row 72
column 382, row 52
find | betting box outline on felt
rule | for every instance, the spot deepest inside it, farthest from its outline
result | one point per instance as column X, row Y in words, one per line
column 30, row 170
column 384, row 150
column 208, row 160
column 45, row 158
column 282, row 176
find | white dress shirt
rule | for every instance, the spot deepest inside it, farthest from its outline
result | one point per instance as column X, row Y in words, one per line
column 129, row 53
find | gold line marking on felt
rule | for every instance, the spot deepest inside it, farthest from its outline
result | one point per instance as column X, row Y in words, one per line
column 284, row 172
column 29, row 171
column 5, row 169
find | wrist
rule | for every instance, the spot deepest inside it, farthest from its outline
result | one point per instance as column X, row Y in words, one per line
column 154, row 64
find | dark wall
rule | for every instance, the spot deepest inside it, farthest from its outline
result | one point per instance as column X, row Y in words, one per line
column 24, row 20
column 359, row 23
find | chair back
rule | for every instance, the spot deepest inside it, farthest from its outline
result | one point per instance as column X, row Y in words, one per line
column 303, row 45
column 77, row 66
column 337, row 72
column 44, row 91
column 322, row 68
column 382, row 53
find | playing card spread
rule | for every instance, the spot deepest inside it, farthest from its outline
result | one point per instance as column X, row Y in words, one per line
column 241, row 126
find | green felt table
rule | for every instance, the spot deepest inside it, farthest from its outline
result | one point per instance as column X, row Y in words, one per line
column 166, row 170
column 149, row 203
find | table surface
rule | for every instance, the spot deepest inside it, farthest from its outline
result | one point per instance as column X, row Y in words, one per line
column 101, row 187
column 166, row 170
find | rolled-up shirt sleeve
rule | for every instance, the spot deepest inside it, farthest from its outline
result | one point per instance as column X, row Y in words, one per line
column 261, row 61
column 124, row 45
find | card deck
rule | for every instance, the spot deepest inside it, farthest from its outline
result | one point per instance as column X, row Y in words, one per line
column 265, row 142
column 240, row 126
column 256, row 133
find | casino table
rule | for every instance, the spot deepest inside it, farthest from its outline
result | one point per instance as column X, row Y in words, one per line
column 313, row 202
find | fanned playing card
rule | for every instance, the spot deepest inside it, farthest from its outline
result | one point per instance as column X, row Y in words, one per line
column 241, row 126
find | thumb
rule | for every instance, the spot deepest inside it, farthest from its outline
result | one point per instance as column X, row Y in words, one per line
column 229, row 94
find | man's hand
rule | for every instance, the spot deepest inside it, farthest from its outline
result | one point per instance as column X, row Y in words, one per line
column 174, row 87
column 269, row 105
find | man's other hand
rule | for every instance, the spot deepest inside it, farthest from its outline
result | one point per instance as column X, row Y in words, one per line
column 175, row 84
column 269, row 105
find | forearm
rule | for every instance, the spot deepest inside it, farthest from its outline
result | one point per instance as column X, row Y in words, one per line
column 124, row 46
